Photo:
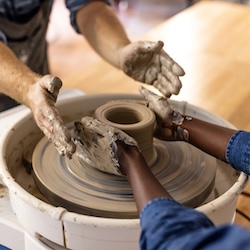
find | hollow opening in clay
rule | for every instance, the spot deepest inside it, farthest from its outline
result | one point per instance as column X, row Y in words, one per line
column 124, row 116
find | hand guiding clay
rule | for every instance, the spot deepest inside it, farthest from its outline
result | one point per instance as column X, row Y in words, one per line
column 97, row 144
column 43, row 95
column 169, row 121
column 147, row 62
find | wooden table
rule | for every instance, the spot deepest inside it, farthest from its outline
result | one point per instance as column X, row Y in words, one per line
column 211, row 41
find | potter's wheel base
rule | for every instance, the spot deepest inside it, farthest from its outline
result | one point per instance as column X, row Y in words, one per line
column 186, row 172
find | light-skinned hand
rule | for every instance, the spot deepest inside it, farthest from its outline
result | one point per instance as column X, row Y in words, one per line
column 147, row 62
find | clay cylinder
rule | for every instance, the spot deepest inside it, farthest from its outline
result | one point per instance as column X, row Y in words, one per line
column 133, row 118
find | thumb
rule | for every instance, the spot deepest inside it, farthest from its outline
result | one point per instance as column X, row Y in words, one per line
column 52, row 84
column 149, row 46
column 157, row 46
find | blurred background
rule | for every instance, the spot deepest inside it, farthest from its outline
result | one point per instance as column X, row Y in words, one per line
column 69, row 52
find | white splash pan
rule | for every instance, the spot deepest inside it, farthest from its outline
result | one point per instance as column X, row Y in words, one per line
column 57, row 225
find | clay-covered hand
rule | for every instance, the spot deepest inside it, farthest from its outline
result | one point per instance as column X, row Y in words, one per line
column 147, row 62
column 169, row 121
column 42, row 98
column 96, row 144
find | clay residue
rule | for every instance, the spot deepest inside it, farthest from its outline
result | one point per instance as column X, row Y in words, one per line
column 96, row 143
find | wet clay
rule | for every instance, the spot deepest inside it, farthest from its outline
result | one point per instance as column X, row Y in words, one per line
column 178, row 166
column 134, row 119
column 96, row 144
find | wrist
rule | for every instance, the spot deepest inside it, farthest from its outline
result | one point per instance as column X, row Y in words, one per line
column 178, row 129
column 129, row 157
column 40, row 89
column 27, row 93
column 181, row 132
column 123, row 54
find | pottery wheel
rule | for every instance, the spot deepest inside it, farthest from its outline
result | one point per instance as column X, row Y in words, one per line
column 186, row 172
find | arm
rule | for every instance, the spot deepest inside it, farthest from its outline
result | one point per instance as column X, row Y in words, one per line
column 39, row 94
column 166, row 224
column 15, row 77
column 229, row 145
column 144, row 185
column 224, row 143
column 144, row 61
column 102, row 29
column 211, row 138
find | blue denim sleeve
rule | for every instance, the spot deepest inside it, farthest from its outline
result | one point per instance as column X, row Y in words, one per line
column 238, row 151
column 165, row 224
column 74, row 6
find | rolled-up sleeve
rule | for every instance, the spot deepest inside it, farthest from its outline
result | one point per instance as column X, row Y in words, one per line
column 3, row 37
column 74, row 6
column 165, row 224
column 238, row 151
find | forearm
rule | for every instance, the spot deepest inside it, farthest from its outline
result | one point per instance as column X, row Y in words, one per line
column 15, row 77
column 103, row 30
column 144, row 184
column 210, row 138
